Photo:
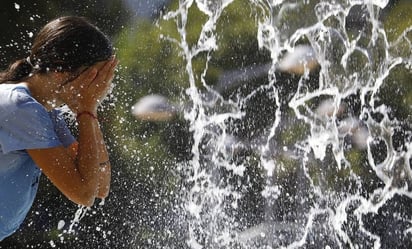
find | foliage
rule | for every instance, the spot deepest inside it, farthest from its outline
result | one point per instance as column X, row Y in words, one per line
column 150, row 159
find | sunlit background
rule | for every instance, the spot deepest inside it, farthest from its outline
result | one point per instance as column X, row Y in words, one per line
column 153, row 201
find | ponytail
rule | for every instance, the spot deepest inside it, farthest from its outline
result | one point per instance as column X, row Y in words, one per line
column 63, row 45
column 17, row 71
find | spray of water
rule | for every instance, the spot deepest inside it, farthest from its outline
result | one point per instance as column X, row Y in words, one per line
column 353, row 65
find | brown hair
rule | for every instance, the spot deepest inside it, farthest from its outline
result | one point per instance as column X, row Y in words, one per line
column 62, row 45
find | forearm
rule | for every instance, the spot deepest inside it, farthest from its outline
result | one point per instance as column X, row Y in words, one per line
column 88, row 157
column 104, row 166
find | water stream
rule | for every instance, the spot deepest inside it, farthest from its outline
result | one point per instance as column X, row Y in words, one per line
column 327, row 161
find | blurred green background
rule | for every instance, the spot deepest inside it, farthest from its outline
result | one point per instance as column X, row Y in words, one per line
column 147, row 157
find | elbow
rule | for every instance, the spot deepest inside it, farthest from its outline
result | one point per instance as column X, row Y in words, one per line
column 84, row 196
column 87, row 202
column 103, row 193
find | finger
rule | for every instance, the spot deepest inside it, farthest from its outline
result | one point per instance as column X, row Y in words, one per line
column 88, row 79
column 101, row 64
column 103, row 84
column 84, row 79
column 111, row 71
column 90, row 74
column 105, row 73
column 109, row 66
column 107, row 82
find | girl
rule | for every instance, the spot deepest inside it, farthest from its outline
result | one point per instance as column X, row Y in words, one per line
column 71, row 62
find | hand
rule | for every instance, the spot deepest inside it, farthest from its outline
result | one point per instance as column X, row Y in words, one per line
column 85, row 92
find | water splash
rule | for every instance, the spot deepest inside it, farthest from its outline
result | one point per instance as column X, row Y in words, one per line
column 316, row 211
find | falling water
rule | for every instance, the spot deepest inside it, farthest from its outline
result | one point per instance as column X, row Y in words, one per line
column 322, row 188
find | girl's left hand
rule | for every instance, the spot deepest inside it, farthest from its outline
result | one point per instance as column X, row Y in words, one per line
column 87, row 90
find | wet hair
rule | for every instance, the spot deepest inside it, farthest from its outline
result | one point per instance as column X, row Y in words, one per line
column 63, row 45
